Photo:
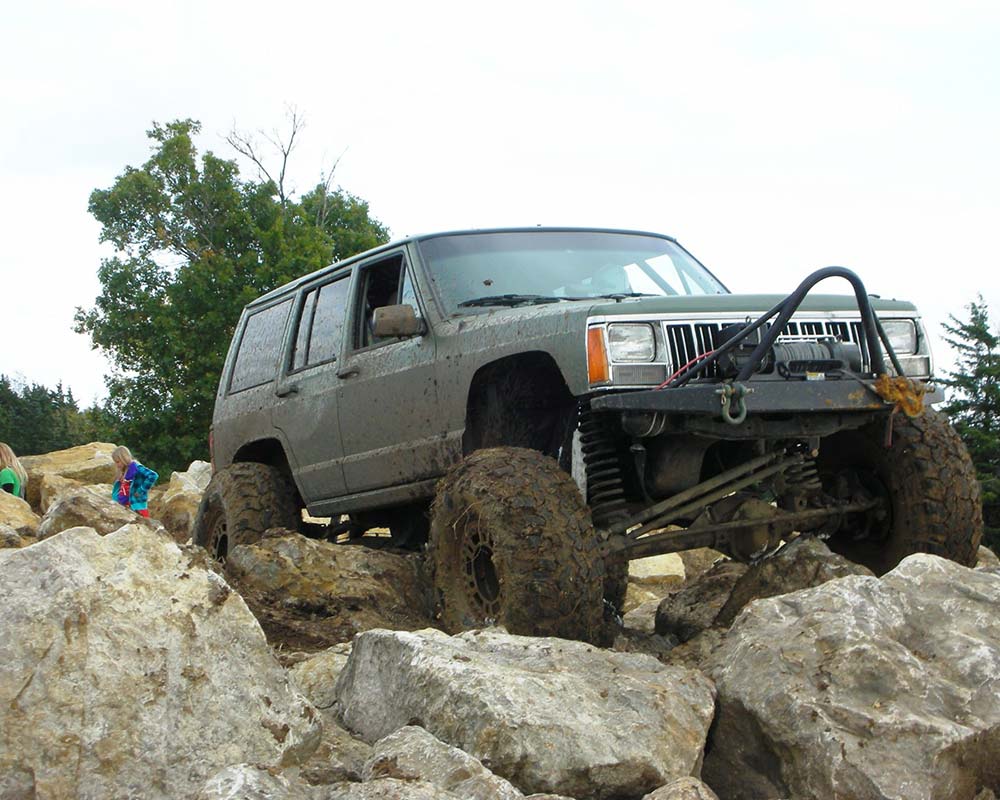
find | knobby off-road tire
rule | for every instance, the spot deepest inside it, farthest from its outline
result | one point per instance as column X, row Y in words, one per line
column 930, row 485
column 616, row 582
column 511, row 543
column 241, row 502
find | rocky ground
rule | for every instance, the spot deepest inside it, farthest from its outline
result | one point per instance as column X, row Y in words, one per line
column 132, row 666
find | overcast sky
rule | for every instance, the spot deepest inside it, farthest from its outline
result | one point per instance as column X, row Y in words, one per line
column 771, row 138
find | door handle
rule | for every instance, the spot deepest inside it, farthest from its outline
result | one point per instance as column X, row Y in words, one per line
column 348, row 372
column 287, row 389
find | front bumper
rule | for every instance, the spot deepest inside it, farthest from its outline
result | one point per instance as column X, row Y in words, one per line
column 763, row 397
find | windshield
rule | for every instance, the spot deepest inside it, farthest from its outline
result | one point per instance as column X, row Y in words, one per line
column 512, row 267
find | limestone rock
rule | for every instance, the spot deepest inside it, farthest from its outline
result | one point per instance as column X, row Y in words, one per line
column 88, row 463
column 10, row 538
column 693, row 608
column 316, row 676
column 801, row 564
column 177, row 505
column 389, row 789
column 863, row 688
column 683, row 789
column 700, row 560
column 82, row 507
column 546, row 714
column 131, row 669
column 310, row 593
column 411, row 753
column 339, row 757
column 17, row 514
column 651, row 579
column 642, row 618
column 986, row 558
column 249, row 782
column 51, row 486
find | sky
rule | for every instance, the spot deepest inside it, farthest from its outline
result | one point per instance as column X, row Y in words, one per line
column 770, row 138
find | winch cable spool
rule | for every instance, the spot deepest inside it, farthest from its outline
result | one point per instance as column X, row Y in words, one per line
column 870, row 324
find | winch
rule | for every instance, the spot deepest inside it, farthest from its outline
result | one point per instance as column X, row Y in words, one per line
column 798, row 357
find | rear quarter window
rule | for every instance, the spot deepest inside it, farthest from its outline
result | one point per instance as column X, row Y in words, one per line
column 260, row 347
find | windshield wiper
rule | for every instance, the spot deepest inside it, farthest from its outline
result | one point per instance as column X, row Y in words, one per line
column 511, row 300
column 625, row 295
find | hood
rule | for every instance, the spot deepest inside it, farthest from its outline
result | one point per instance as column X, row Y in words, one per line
column 753, row 304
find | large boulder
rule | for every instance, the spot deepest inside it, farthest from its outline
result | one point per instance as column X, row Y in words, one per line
column 9, row 537
column 87, row 463
column 252, row 782
column 340, row 756
column 412, row 754
column 863, row 688
column 17, row 514
column 83, row 507
column 51, row 486
column 683, row 789
column 309, row 594
column 694, row 607
column 177, row 506
column 546, row 714
column 801, row 564
column 129, row 668
column 652, row 578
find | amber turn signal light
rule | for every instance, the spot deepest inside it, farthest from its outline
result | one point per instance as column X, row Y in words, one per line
column 597, row 357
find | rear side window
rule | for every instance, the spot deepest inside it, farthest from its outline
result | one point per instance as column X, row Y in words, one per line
column 321, row 326
column 260, row 346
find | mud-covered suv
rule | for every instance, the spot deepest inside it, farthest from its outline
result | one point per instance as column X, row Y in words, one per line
column 540, row 405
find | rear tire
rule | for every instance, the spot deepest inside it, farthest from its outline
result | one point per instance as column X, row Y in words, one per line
column 512, row 544
column 241, row 502
column 928, row 481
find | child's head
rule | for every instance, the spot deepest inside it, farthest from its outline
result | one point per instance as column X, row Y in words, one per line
column 9, row 461
column 122, row 457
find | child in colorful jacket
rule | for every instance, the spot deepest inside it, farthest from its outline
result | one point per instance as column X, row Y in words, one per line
column 133, row 481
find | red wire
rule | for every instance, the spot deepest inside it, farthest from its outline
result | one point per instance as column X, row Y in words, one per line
column 694, row 360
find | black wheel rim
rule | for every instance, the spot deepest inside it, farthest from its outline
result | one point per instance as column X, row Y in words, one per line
column 482, row 581
column 218, row 538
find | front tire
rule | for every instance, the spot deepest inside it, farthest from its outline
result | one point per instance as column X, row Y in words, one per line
column 927, row 480
column 241, row 502
column 512, row 544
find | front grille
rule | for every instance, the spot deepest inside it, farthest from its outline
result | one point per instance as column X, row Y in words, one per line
column 686, row 341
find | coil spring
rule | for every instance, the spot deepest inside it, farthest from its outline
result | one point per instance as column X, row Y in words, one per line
column 605, row 485
column 804, row 476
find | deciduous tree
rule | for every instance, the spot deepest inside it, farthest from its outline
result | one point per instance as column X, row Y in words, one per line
column 194, row 243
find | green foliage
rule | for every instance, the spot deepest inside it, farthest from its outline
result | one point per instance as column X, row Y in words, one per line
column 195, row 243
column 974, row 405
column 35, row 419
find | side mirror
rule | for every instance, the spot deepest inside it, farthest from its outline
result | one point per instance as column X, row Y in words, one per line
column 401, row 320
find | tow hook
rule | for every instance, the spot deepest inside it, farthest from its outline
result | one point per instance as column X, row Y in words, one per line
column 730, row 394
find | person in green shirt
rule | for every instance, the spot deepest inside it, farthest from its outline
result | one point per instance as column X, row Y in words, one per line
column 13, row 478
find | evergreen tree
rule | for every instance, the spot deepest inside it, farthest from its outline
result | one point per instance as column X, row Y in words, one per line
column 974, row 404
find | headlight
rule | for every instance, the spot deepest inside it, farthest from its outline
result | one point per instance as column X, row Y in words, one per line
column 902, row 335
column 631, row 342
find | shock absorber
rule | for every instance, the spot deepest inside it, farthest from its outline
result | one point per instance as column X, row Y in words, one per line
column 605, row 484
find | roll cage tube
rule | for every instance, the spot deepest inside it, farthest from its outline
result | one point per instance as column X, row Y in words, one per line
column 784, row 310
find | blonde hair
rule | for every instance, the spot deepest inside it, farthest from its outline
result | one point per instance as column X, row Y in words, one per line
column 9, row 461
column 122, row 454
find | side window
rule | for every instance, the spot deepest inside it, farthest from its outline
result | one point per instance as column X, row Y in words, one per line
column 260, row 345
column 384, row 284
column 321, row 326
column 302, row 336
